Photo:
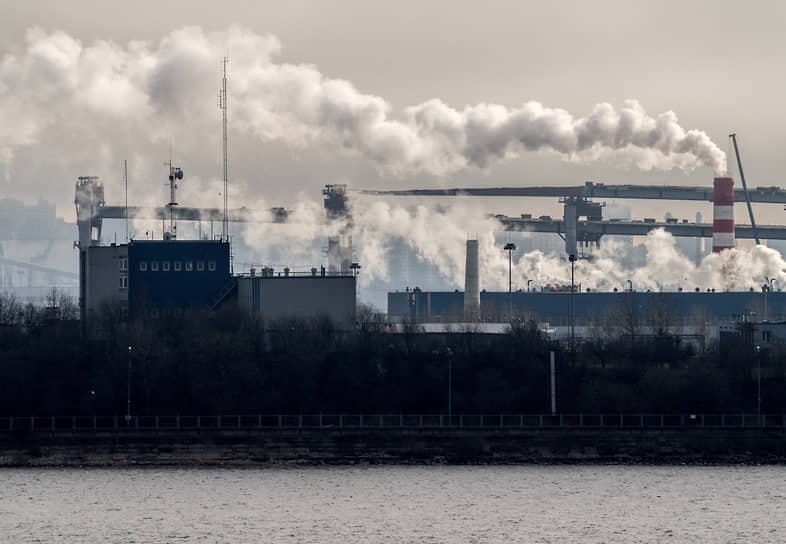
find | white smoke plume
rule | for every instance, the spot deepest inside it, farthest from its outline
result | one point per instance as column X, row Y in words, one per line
column 57, row 85
column 438, row 236
column 296, row 243
column 665, row 268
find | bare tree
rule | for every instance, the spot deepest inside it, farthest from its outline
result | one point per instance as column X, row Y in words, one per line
column 10, row 310
column 60, row 305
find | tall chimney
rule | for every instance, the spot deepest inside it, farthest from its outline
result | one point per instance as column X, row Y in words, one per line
column 699, row 252
column 723, row 215
column 472, row 283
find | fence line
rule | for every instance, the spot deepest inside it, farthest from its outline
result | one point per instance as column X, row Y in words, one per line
column 390, row 421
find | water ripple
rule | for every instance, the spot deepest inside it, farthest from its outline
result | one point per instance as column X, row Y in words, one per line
column 561, row 504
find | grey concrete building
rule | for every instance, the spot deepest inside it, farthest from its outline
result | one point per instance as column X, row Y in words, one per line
column 288, row 295
column 105, row 276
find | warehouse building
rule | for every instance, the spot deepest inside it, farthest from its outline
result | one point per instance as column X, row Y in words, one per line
column 590, row 308
column 274, row 296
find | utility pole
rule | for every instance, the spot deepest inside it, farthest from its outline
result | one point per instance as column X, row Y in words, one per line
column 128, row 398
column 553, row 376
column 572, row 259
column 758, row 383
column 450, row 386
column 510, row 247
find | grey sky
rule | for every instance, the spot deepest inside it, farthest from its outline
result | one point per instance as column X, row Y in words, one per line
column 717, row 65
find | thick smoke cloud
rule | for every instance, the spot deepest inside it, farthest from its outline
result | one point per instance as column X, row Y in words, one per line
column 439, row 236
column 56, row 84
column 665, row 267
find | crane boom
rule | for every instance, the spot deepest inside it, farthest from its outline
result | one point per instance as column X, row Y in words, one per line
column 745, row 188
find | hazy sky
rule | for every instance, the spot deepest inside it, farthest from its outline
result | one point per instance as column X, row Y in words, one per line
column 717, row 64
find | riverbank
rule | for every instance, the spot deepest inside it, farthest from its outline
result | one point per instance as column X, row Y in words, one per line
column 392, row 446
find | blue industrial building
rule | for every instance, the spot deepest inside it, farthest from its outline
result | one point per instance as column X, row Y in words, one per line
column 169, row 274
column 157, row 278
column 555, row 307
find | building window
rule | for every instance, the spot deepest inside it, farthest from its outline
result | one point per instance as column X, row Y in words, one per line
column 143, row 266
column 165, row 266
column 200, row 266
column 178, row 266
column 124, row 282
column 189, row 266
column 154, row 266
column 211, row 265
column 123, row 261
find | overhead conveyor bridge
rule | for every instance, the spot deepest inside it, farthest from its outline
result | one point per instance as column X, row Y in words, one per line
column 576, row 204
column 591, row 231
column 768, row 195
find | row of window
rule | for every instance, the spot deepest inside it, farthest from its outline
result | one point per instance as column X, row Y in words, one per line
column 177, row 266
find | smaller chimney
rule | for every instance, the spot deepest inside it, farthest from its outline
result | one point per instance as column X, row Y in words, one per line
column 472, row 283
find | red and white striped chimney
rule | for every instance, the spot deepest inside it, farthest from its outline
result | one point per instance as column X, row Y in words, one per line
column 723, row 215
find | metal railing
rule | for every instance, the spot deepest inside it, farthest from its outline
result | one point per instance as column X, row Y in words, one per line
column 390, row 422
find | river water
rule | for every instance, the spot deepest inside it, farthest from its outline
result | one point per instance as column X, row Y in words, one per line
column 560, row 504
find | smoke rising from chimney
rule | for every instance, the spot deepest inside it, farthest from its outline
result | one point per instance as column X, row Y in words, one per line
column 156, row 89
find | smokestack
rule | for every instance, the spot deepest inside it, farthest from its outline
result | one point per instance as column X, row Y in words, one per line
column 723, row 215
column 472, row 283
column 699, row 248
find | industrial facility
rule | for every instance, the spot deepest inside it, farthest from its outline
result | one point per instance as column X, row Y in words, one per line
column 170, row 276
column 566, row 310
column 147, row 277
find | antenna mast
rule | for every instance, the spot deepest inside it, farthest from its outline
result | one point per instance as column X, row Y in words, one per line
column 223, row 105
column 125, row 180
column 175, row 174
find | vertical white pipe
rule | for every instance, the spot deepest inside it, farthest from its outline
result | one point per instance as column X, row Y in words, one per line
column 472, row 283
column 553, row 384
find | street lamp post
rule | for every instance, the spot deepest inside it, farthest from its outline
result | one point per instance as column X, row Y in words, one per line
column 510, row 247
column 758, row 383
column 128, row 397
column 528, row 283
column 449, row 353
column 572, row 259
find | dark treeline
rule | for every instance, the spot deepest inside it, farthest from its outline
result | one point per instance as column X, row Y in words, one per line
column 231, row 363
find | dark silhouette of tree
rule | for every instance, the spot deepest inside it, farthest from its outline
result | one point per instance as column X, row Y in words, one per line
column 229, row 362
